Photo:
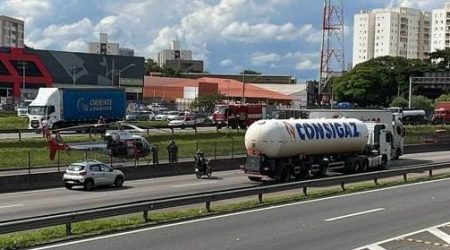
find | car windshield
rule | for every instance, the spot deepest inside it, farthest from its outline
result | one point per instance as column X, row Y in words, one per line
column 173, row 113
column 37, row 110
column 75, row 167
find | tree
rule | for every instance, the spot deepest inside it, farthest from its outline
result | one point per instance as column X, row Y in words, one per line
column 378, row 81
column 151, row 66
column 250, row 72
column 168, row 71
column 441, row 58
column 206, row 102
column 421, row 102
column 399, row 102
column 443, row 98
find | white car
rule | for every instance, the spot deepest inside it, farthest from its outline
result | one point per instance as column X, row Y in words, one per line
column 162, row 116
column 182, row 122
column 90, row 174
column 140, row 115
column 173, row 115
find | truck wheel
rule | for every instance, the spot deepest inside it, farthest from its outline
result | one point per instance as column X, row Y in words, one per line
column 304, row 173
column 252, row 178
column 286, row 174
column 356, row 166
column 322, row 170
column 397, row 154
column 365, row 166
column 384, row 161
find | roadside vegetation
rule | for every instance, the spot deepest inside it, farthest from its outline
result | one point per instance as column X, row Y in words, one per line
column 133, row 221
column 33, row 152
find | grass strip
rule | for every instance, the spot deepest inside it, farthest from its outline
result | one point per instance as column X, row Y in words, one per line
column 120, row 223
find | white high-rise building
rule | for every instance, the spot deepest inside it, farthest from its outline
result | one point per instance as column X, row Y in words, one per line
column 440, row 28
column 400, row 31
column 106, row 48
column 175, row 53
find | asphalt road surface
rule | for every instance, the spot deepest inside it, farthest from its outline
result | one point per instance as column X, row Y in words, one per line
column 39, row 202
column 340, row 222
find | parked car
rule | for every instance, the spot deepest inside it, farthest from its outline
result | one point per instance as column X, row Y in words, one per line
column 173, row 115
column 156, row 107
column 162, row 116
column 183, row 122
column 140, row 115
column 90, row 174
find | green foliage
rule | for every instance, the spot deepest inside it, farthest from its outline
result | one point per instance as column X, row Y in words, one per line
column 250, row 72
column 13, row 122
column 399, row 102
column 441, row 58
column 151, row 66
column 168, row 71
column 206, row 102
column 378, row 81
column 422, row 102
column 443, row 98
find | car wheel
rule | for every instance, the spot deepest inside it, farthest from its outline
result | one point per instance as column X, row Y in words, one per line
column 88, row 185
column 119, row 181
column 68, row 186
column 183, row 126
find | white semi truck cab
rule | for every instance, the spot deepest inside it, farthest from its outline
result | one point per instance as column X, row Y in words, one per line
column 46, row 105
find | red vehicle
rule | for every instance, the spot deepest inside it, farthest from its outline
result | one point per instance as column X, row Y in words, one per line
column 441, row 113
column 234, row 115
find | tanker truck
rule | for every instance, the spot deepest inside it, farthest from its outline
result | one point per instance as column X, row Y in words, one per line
column 297, row 148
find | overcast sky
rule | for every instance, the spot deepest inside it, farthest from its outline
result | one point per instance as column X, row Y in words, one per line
column 269, row 36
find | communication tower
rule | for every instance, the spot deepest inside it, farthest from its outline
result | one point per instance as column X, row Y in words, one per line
column 332, row 49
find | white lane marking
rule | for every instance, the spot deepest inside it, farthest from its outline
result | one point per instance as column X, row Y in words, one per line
column 234, row 214
column 14, row 205
column 355, row 214
column 402, row 236
column 375, row 247
column 438, row 233
column 193, row 184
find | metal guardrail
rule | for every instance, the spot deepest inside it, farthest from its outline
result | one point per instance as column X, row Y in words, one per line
column 207, row 197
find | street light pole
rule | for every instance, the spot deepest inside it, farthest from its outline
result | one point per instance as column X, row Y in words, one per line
column 410, row 92
column 120, row 71
column 243, row 86
column 23, row 77
column 74, row 66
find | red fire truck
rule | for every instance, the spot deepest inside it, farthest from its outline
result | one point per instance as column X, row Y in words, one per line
column 234, row 115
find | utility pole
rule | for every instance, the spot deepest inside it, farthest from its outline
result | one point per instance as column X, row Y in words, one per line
column 243, row 86
column 24, row 64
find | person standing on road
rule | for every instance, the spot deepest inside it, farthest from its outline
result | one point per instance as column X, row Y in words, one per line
column 154, row 150
column 45, row 129
column 171, row 151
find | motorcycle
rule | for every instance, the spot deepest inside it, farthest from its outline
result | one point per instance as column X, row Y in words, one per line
column 202, row 166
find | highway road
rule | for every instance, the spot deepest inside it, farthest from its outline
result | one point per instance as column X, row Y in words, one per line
column 340, row 222
column 32, row 203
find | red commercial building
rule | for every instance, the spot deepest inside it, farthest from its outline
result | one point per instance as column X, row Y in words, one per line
column 170, row 89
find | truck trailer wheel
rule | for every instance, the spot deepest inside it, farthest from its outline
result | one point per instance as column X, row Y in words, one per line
column 286, row 174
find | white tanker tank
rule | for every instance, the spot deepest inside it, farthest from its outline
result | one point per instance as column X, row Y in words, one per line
column 286, row 138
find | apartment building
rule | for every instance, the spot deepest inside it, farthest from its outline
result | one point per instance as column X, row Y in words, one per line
column 440, row 28
column 179, row 59
column 104, row 47
column 11, row 32
column 404, row 32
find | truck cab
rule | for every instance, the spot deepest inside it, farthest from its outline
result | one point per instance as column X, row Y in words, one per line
column 45, row 106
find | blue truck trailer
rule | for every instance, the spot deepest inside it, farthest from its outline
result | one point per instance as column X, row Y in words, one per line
column 66, row 107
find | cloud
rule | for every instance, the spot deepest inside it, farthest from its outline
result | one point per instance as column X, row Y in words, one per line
column 420, row 4
column 261, row 58
column 226, row 63
column 306, row 65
